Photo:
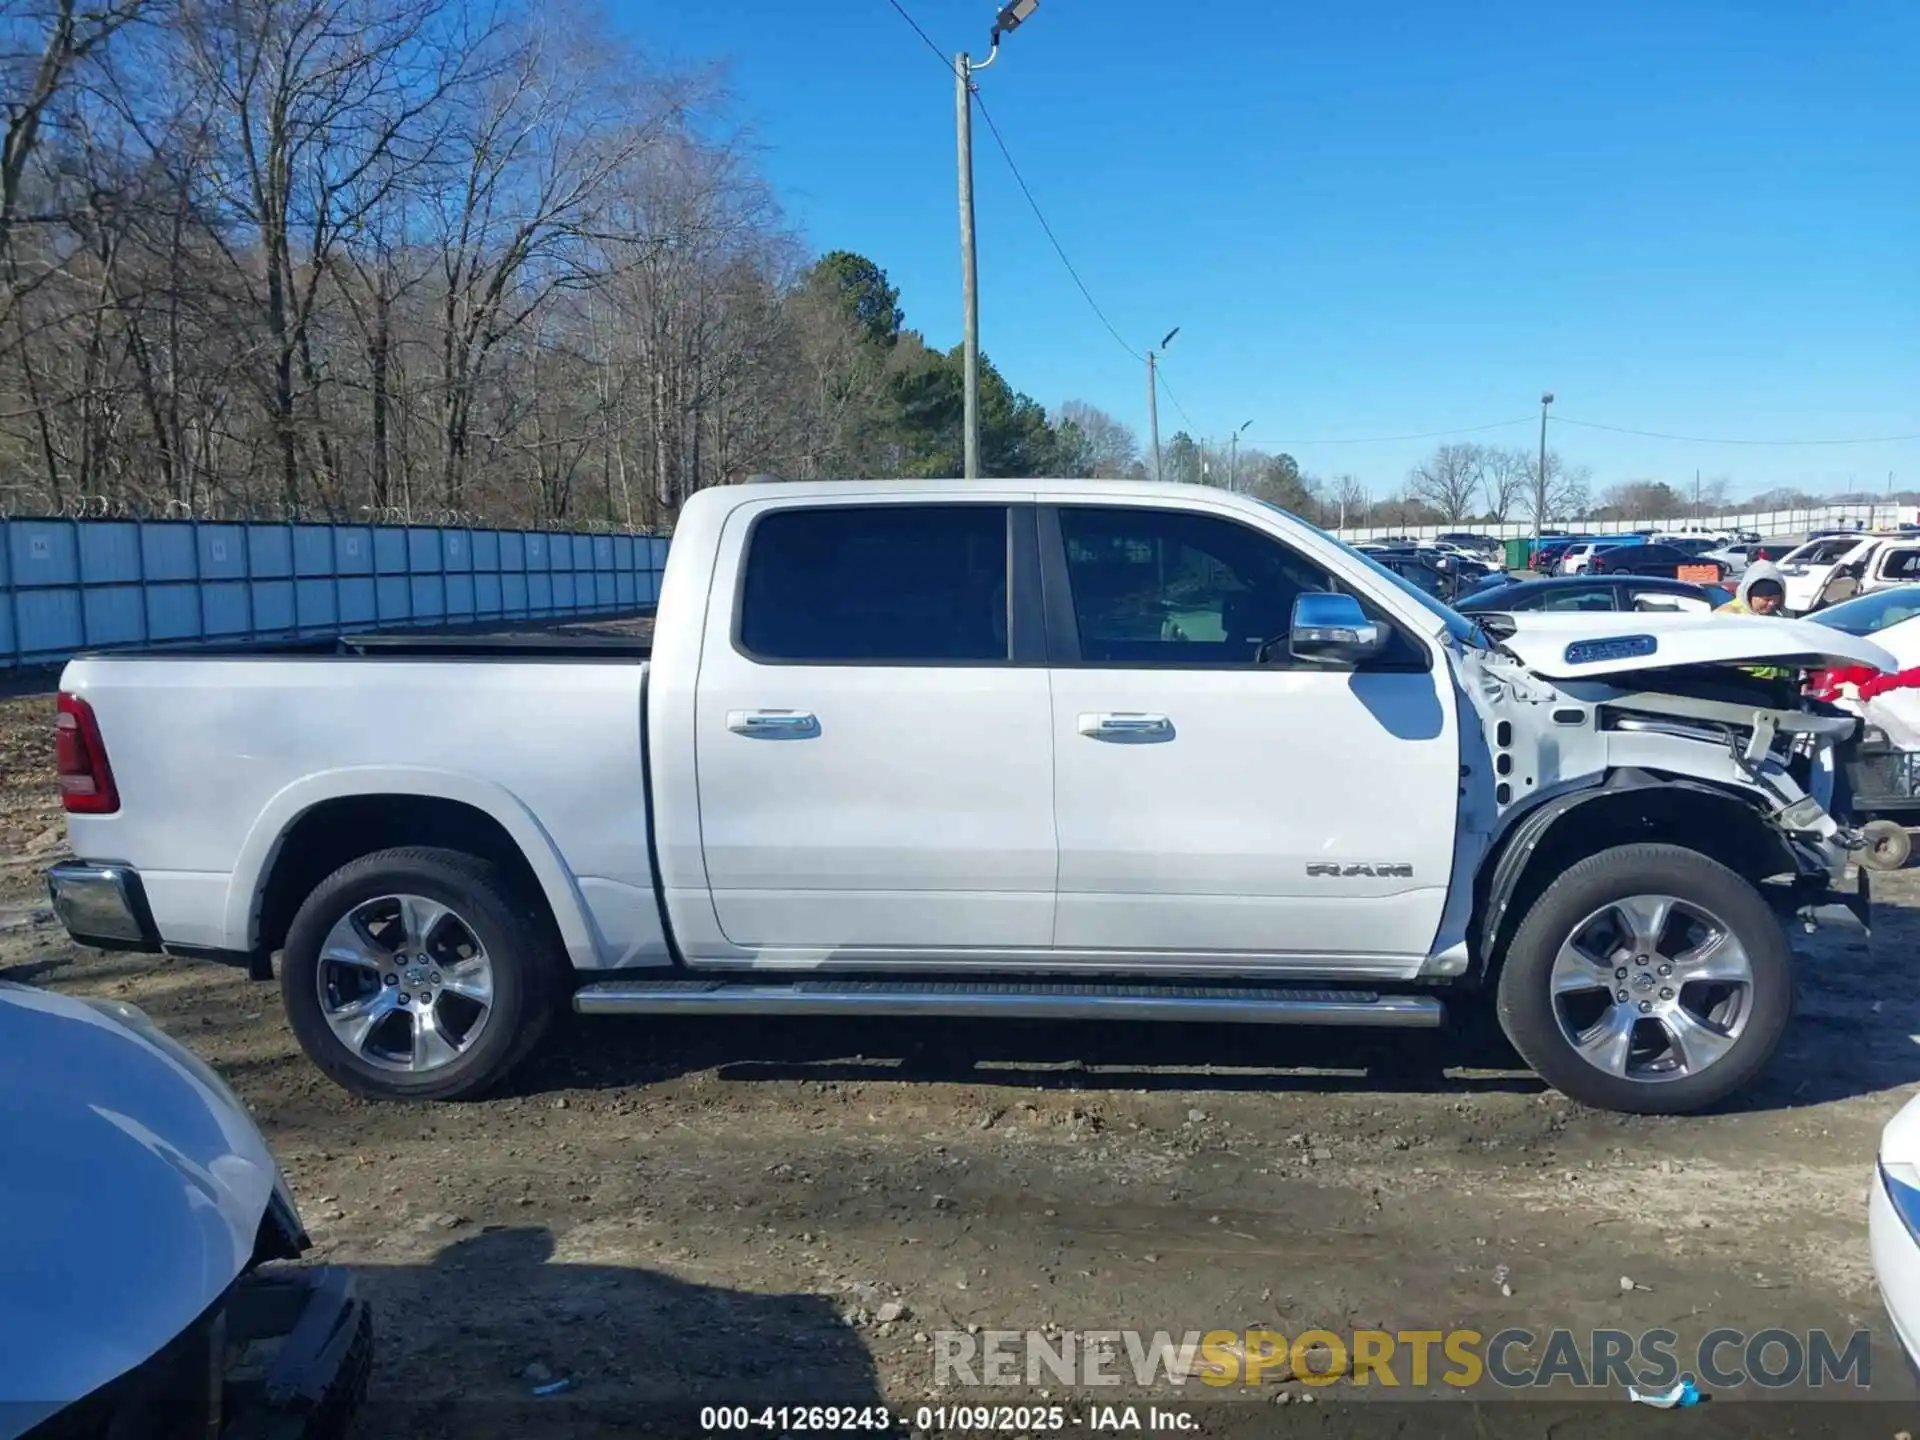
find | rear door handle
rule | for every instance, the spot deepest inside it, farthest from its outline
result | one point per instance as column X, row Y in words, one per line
column 1126, row 725
column 774, row 724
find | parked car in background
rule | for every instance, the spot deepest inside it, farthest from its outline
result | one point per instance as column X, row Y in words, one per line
column 1595, row 593
column 1883, row 562
column 1494, row 580
column 1807, row 568
column 1579, row 556
column 1667, row 560
column 1737, row 556
column 140, row 1224
column 1690, row 544
column 1468, row 540
column 1548, row 553
column 1443, row 574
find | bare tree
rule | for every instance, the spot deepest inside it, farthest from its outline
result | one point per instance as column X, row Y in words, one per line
column 1643, row 500
column 1348, row 499
column 1504, row 480
column 319, row 107
column 1108, row 449
column 1449, row 480
column 1561, row 493
column 43, row 44
column 537, row 147
column 425, row 261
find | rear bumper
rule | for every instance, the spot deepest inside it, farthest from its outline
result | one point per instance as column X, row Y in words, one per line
column 103, row 905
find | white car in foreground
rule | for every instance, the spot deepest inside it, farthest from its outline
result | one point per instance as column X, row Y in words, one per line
column 1893, row 1225
column 139, row 1219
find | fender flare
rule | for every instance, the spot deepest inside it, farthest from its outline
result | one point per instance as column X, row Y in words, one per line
column 1512, row 853
column 262, row 845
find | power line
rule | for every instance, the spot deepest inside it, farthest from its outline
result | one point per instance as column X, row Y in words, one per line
column 1415, row 435
column 1708, row 440
column 946, row 61
column 1019, row 179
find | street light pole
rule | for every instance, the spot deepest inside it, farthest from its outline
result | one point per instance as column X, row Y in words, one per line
column 1540, row 479
column 1233, row 459
column 1153, row 397
column 1005, row 23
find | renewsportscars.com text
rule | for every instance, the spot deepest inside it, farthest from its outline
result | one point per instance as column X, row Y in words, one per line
column 1513, row 1359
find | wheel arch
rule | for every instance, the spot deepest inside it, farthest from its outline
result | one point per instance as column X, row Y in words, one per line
column 1632, row 807
column 324, row 821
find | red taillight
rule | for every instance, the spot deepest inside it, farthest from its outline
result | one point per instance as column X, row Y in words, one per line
column 80, row 759
column 1827, row 684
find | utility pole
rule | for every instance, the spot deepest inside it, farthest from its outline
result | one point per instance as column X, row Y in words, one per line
column 969, row 280
column 1233, row 459
column 1540, row 479
column 1005, row 23
column 1153, row 414
column 1153, row 397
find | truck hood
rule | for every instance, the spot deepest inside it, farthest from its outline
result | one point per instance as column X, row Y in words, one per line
column 1574, row 646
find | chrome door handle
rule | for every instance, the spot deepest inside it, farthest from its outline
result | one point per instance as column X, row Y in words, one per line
column 1126, row 726
column 774, row 724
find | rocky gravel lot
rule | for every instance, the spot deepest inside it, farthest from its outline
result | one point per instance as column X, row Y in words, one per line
column 729, row 1211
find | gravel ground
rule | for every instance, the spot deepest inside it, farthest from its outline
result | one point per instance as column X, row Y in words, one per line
column 728, row 1211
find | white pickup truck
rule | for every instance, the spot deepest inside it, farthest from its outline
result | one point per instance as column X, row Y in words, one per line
column 1068, row 749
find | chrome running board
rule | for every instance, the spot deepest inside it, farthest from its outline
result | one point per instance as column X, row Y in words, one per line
column 1038, row 1000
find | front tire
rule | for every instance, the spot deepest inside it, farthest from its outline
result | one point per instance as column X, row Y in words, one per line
column 420, row 974
column 1648, row 979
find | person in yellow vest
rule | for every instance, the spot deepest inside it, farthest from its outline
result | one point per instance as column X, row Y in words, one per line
column 1762, row 592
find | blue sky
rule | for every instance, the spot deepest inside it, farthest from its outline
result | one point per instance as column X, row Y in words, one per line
column 1699, row 218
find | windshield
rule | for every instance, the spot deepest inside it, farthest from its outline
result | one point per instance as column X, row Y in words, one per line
column 1466, row 631
column 1872, row 613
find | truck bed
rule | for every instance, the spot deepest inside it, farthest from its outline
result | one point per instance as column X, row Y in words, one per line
column 223, row 759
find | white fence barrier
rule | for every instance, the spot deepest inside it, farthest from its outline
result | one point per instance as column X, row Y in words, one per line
column 1763, row 523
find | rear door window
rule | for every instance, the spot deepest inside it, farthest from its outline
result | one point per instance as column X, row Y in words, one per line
column 877, row 584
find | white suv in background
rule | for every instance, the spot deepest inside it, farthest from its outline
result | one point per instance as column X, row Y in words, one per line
column 1808, row 568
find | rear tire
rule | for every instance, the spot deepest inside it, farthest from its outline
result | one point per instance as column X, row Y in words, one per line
column 1638, row 948
column 420, row 974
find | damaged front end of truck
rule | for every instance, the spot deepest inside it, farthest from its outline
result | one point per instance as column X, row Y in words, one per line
column 1663, row 728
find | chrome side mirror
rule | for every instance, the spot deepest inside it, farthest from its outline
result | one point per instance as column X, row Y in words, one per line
column 1334, row 630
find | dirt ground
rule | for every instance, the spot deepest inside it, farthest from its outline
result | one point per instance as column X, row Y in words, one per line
column 725, row 1211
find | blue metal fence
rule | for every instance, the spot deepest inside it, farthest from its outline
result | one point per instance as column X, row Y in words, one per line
column 68, row 585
